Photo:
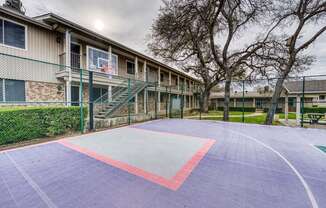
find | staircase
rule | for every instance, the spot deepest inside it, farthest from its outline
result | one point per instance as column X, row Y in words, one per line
column 120, row 97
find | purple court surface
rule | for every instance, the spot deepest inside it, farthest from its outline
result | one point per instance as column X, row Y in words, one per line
column 170, row 163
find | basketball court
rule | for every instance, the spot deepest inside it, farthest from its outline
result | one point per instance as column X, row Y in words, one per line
column 170, row 163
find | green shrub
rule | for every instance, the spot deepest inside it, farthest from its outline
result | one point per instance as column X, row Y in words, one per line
column 239, row 109
column 19, row 124
column 315, row 110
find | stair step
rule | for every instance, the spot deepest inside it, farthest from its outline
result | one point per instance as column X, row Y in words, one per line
column 118, row 101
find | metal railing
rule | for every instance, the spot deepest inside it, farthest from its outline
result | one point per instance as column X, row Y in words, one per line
column 46, row 85
column 75, row 60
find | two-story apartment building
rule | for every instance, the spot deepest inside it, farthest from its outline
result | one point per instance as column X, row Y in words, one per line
column 62, row 48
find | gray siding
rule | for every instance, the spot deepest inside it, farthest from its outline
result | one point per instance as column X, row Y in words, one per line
column 41, row 45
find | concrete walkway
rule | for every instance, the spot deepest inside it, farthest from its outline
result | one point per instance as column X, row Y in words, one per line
column 231, row 116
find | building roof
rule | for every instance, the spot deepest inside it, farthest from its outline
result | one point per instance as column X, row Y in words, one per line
column 311, row 86
column 248, row 94
column 39, row 21
column 291, row 87
column 25, row 18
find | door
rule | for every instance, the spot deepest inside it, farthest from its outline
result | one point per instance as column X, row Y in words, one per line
column 259, row 104
column 75, row 96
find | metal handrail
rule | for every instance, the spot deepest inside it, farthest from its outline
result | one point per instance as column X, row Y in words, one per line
column 128, row 98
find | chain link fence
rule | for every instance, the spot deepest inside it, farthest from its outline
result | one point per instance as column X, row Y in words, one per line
column 41, row 99
column 302, row 102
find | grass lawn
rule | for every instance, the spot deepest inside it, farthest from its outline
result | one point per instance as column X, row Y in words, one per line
column 259, row 119
column 255, row 119
column 291, row 115
column 220, row 113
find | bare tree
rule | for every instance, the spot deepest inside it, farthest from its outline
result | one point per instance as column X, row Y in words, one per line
column 179, row 37
column 205, row 30
column 289, row 48
column 232, row 21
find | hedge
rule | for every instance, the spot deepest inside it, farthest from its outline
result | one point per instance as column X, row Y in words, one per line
column 239, row 109
column 315, row 110
column 37, row 122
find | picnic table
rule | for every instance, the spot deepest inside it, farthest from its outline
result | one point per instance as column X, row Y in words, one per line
column 315, row 117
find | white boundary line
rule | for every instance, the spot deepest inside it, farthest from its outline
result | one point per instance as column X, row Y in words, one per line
column 305, row 185
column 32, row 183
column 311, row 197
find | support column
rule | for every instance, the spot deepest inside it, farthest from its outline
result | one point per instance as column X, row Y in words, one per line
column 158, row 90
column 159, row 77
column 193, row 102
column 136, row 68
column 144, row 70
column 110, row 65
column 67, row 49
column 189, row 99
column 254, row 103
column 136, row 104
column 169, row 95
column 234, row 102
column 286, row 106
column 298, row 105
column 110, row 93
column 145, row 90
column 170, row 79
column 159, row 101
column 136, row 77
column 178, row 83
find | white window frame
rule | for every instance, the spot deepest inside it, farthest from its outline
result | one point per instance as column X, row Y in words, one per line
column 4, row 89
column 132, row 62
column 3, row 34
column 93, row 48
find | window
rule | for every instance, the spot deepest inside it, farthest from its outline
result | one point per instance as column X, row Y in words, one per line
column 1, row 31
column 322, row 97
column 75, row 55
column 14, row 90
column 96, row 93
column 99, row 92
column 1, row 90
column 130, row 67
column 162, row 77
column 12, row 34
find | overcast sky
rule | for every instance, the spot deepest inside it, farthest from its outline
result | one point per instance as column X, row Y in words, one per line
column 129, row 21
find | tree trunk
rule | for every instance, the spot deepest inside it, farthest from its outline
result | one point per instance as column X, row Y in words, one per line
column 274, row 102
column 205, row 100
column 227, row 93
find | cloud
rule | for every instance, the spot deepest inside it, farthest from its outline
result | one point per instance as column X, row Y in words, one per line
column 129, row 21
column 125, row 21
